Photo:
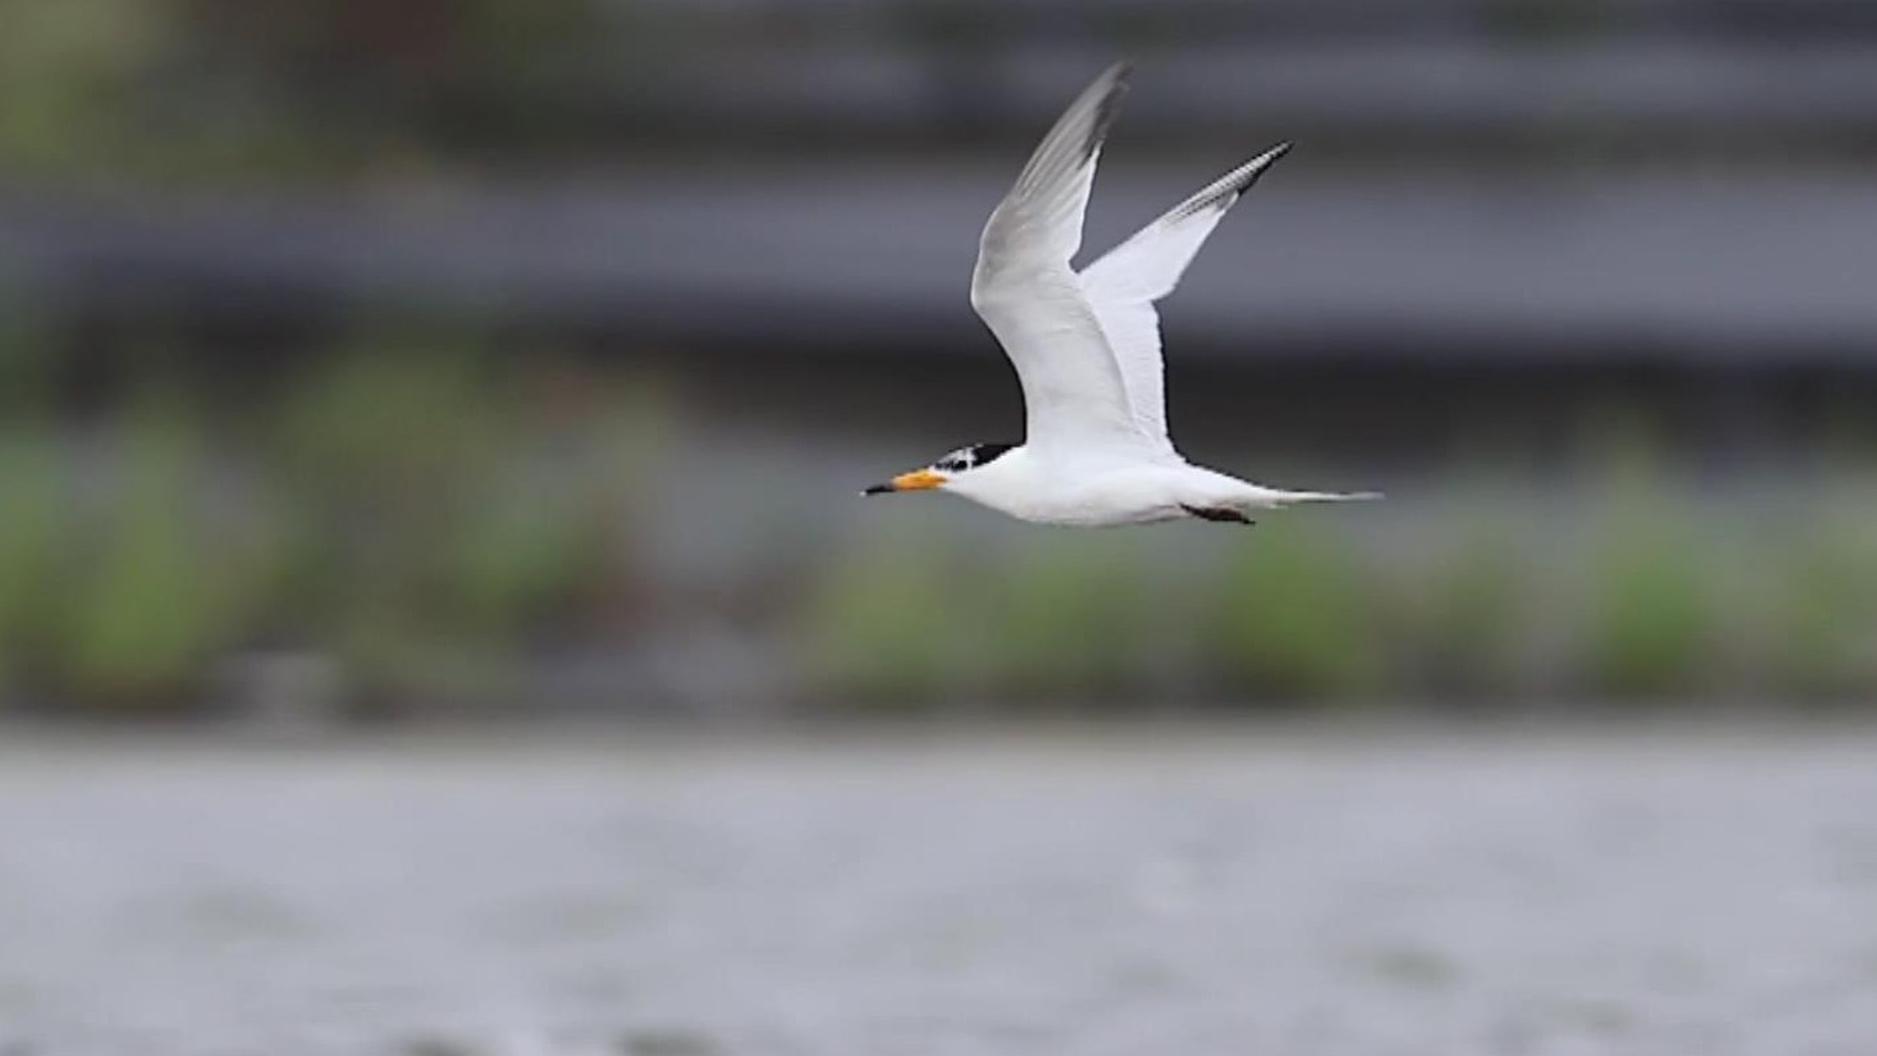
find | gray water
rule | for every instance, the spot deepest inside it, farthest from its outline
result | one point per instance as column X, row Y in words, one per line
column 1235, row 891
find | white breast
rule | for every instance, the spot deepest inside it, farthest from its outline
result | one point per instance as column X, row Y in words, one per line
column 1091, row 491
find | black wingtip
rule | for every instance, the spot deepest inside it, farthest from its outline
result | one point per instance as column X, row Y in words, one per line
column 1117, row 78
column 1259, row 165
column 1233, row 187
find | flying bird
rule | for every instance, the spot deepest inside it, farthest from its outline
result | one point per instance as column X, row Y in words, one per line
column 1086, row 347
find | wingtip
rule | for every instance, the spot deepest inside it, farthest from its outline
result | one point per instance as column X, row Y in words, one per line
column 1228, row 189
column 1113, row 84
column 1256, row 166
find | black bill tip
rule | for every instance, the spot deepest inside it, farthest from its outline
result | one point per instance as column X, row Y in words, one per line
column 879, row 489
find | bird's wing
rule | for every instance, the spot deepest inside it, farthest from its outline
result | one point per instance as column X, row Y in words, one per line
column 1124, row 284
column 1074, row 394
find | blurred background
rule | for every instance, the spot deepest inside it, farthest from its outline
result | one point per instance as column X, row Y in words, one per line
column 370, row 368
column 445, row 356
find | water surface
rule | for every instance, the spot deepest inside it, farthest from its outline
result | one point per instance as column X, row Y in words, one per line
column 1120, row 892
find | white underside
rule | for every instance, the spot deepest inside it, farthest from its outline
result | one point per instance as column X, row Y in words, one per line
column 1088, row 492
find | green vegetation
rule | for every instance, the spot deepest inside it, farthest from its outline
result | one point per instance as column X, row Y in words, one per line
column 147, row 602
column 1650, row 625
column 1649, row 620
column 433, row 522
column 1462, row 613
column 1295, row 616
column 393, row 507
column 1631, row 600
column 162, row 90
column 31, row 556
column 885, row 630
column 1823, row 610
column 1072, row 617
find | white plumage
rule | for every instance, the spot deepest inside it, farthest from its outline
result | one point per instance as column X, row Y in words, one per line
column 1086, row 348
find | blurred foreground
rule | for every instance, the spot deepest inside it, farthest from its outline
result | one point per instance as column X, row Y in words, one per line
column 1668, row 893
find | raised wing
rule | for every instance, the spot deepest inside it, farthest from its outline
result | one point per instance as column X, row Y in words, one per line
column 1074, row 395
column 1123, row 285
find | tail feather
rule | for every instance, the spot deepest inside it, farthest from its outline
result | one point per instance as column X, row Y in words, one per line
column 1292, row 498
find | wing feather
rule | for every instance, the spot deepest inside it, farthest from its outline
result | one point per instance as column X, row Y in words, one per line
column 1123, row 285
column 1075, row 396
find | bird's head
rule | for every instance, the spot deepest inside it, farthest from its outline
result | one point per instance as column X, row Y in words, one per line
column 943, row 471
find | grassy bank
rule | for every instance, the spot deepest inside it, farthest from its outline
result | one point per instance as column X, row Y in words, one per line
column 426, row 525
